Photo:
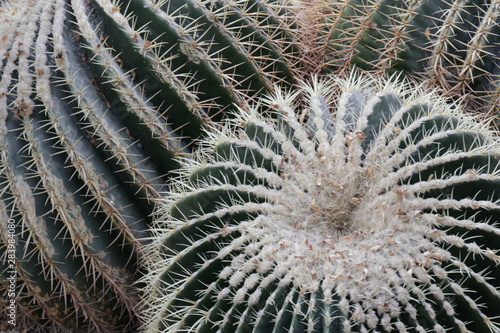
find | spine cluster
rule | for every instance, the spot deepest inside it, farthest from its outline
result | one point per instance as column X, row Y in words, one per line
column 391, row 190
column 97, row 98
column 454, row 45
column 348, row 205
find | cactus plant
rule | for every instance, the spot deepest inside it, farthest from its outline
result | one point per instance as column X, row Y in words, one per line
column 97, row 97
column 346, row 205
column 454, row 45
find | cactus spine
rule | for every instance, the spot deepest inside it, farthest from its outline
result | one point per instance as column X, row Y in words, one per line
column 97, row 97
column 454, row 45
column 349, row 205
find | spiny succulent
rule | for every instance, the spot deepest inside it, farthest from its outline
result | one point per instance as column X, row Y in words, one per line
column 453, row 44
column 96, row 99
column 345, row 205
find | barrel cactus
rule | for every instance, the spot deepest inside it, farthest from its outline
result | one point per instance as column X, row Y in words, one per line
column 97, row 98
column 346, row 205
column 454, row 45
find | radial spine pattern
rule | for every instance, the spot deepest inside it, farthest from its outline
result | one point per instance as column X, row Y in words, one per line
column 346, row 206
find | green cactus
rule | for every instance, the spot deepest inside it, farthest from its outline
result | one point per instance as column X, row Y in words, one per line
column 101, row 99
column 454, row 45
column 347, row 205
column 97, row 98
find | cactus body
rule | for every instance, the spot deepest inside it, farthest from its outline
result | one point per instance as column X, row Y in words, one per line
column 99, row 98
column 96, row 99
column 452, row 44
column 346, row 206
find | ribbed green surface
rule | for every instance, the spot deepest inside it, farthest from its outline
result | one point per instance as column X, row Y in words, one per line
column 101, row 100
column 96, row 99
column 376, row 211
column 452, row 44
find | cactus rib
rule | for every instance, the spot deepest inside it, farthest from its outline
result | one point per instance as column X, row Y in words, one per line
column 348, row 205
column 97, row 99
column 451, row 44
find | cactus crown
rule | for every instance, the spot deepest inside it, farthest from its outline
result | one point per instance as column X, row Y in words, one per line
column 342, row 206
column 99, row 98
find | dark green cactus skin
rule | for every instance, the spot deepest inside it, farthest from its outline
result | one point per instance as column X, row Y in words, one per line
column 452, row 44
column 378, row 213
column 97, row 98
